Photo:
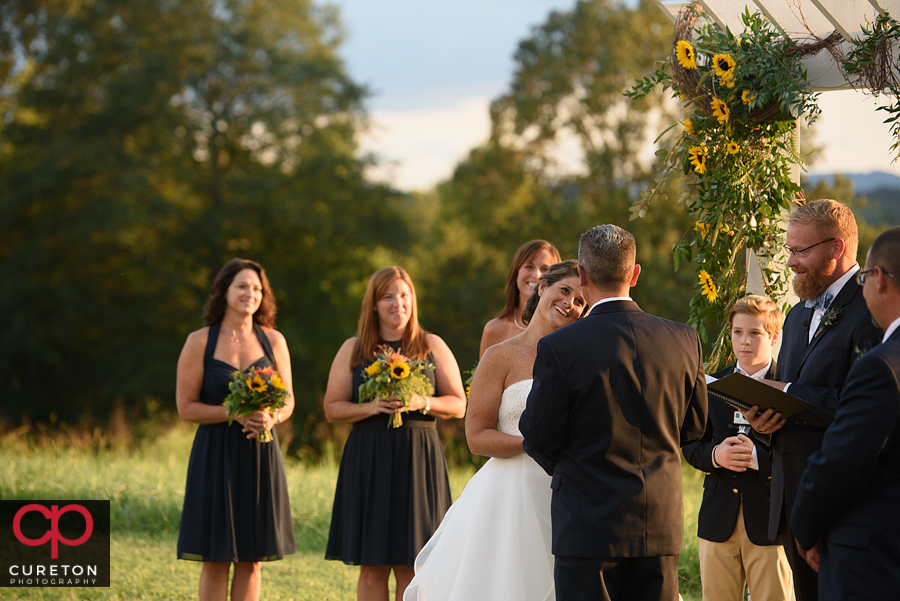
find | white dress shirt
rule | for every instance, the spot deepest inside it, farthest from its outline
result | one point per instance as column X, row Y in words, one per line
column 754, row 460
column 890, row 329
column 609, row 300
column 833, row 291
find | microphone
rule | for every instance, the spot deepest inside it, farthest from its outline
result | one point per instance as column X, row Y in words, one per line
column 806, row 323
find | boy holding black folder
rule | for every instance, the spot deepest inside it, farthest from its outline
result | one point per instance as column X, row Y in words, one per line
column 732, row 526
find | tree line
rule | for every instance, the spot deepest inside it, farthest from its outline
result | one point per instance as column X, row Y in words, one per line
column 144, row 144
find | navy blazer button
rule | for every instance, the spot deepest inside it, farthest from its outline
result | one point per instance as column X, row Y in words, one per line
column 734, row 490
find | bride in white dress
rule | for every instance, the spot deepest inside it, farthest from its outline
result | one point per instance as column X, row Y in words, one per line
column 494, row 542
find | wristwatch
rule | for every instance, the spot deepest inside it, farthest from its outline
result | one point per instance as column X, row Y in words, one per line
column 427, row 406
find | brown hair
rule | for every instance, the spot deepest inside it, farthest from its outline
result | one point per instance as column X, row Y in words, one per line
column 414, row 343
column 832, row 219
column 756, row 305
column 557, row 272
column 526, row 252
column 214, row 310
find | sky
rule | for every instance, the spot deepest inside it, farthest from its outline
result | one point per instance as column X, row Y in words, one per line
column 433, row 69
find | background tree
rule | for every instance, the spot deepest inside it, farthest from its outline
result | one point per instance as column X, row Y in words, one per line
column 144, row 144
column 567, row 151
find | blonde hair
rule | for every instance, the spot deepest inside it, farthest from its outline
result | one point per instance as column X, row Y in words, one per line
column 415, row 340
column 756, row 305
column 832, row 219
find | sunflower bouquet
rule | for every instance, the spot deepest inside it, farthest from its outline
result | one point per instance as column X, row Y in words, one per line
column 393, row 375
column 255, row 390
column 469, row 376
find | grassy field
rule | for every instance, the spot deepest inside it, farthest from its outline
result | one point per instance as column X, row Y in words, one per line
column 145, row 488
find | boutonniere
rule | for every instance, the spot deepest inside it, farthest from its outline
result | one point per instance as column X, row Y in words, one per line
column 829, row 318
column 859, row 353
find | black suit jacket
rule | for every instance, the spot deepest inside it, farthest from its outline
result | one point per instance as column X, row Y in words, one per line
column 615, row 395
column 817, row 371
column 724, row 491
column 850, row 493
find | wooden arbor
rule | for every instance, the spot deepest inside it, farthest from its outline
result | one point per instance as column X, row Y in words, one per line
column 803, row 21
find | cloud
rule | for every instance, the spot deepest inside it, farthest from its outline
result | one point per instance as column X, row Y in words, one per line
column 419, row 148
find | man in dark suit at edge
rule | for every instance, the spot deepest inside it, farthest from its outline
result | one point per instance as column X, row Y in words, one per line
column 615, row 396
column 821, row 338
column 845, row 513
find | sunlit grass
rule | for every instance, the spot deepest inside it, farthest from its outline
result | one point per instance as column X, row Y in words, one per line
column 146, row 487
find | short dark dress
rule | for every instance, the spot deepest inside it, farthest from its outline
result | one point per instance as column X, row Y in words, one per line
column 236, row 505
column 392, row 489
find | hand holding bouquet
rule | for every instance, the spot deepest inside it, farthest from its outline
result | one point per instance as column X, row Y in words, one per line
column 257, row 390
column 393, row 375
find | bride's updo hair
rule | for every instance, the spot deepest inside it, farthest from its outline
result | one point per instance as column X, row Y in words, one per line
column 557, row 272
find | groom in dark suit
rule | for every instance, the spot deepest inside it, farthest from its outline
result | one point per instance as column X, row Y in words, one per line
column 821, row 339
column 846, row 512
column 615, row 396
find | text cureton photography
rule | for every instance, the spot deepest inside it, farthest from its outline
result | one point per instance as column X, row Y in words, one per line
column 58, row 543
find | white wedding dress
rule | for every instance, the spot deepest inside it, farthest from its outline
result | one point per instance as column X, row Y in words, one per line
column 494, row 542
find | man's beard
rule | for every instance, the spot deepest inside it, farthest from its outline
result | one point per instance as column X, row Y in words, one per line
column 815, row 280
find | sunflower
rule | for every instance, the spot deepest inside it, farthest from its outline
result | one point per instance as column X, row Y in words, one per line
column 276, row 382
column 733, row 147
column 727, row 81
column 720, row 110
column 747, row 97
column 702, row 228
column 256, row 384
column 724, row 65
column 399, row 369
column 689, row 127
column 707, row 287
column 684, row 52
column 698, row 156
column 373, row 369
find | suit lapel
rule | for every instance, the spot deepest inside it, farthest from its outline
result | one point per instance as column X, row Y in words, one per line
column 840, row 302
column 797, row 342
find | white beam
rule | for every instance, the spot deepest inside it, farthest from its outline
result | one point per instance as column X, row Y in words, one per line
column 796, row 22
column 847, row 15
column 672, row 9
column 727, row 13
column 891, row 7
column 822, row 72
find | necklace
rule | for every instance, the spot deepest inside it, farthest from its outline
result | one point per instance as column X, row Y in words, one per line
column 236, row 341
column 516, row 321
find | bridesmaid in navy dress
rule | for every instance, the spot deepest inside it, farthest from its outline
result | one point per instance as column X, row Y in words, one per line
column 236, row 506
column 392, row 489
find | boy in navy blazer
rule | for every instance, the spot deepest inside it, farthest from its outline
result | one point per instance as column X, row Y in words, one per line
column 735, row 549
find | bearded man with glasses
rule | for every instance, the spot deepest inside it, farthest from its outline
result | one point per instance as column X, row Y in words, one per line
column 823, row 335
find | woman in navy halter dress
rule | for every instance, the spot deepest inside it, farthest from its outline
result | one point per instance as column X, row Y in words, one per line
column 392, row 489
column 236, row 506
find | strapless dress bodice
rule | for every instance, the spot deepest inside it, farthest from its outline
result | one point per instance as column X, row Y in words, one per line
column 512, row 404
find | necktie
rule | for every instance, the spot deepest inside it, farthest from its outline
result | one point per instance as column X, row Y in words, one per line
column 820, row 302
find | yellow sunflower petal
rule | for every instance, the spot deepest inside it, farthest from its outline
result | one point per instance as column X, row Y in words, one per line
column 684, row 53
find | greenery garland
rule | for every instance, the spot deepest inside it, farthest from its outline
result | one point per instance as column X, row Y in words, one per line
column 737, row 152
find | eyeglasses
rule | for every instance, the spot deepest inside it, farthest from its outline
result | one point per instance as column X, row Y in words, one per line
column 861, row 276
column 801, row 252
